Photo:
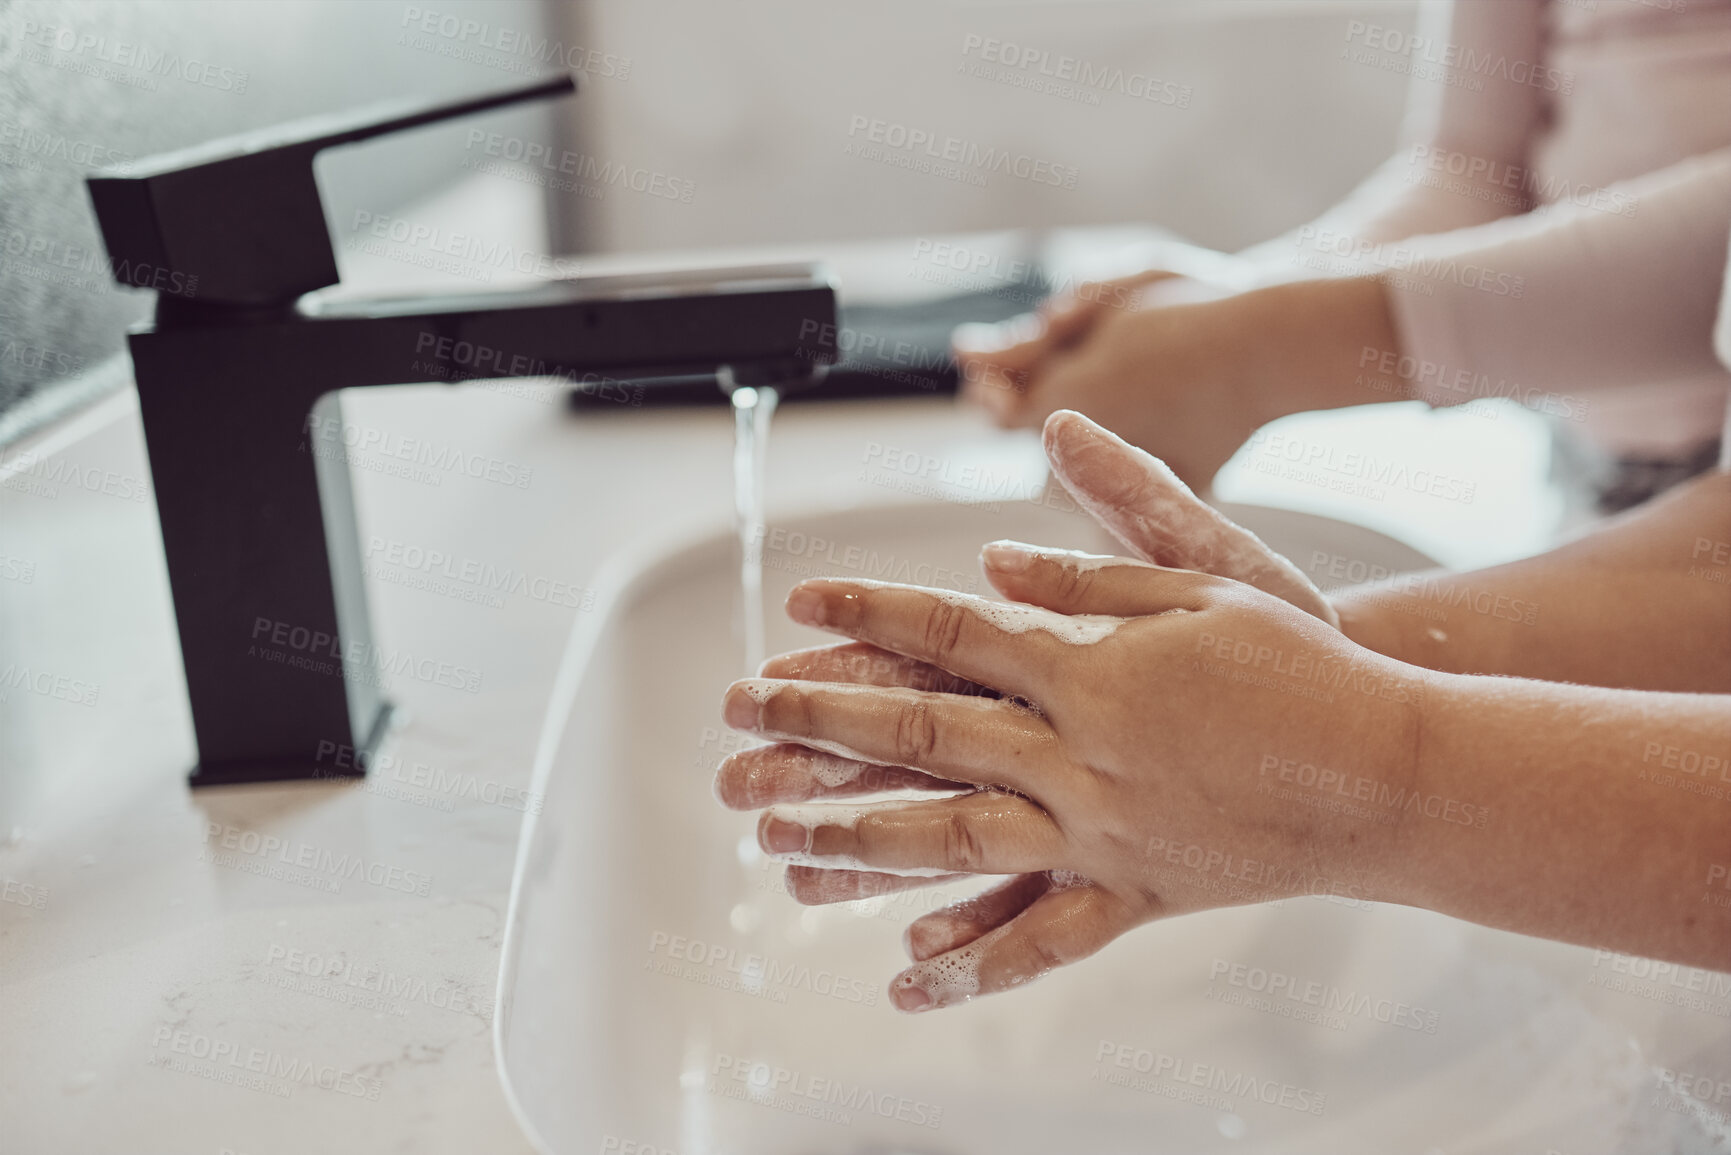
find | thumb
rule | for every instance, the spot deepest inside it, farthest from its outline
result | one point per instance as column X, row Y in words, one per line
column 1144, row 505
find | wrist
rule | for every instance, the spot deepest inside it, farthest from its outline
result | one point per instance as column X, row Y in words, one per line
column 1305, row 344
column 1444, row 820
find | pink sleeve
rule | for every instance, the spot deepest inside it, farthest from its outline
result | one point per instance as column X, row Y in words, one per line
column 1571, row 296
column 1458, row 142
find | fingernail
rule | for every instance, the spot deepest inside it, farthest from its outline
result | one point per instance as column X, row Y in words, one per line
column 1008, row 556
column 779, row 836
column 910, row 998
column 805, row 606
column 1057, row 425
column 743, row 708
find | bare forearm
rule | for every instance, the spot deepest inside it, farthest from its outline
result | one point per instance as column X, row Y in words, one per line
column 1301, row 345
column 1645, row 603
column 1609, row 816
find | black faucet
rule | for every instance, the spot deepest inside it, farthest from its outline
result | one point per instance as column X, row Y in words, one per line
column 236, row 384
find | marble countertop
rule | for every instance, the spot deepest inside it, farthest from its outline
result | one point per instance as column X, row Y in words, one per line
column 311, row 966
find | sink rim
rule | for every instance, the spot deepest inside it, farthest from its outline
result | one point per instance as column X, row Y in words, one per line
column 618, row 578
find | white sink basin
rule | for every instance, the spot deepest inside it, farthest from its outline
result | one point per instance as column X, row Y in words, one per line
column 660, row 993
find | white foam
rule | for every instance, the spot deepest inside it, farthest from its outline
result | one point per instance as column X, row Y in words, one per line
column 759, row 690
column 845, row 818
column 954, row 977
column 1015, row 618
column 832, row 771
column 1074, row 558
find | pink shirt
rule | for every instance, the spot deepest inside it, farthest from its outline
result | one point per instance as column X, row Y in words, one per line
column 1560, row 217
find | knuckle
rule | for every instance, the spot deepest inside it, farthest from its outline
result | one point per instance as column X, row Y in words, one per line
column 1072, row 583
column 943, row 628
column 790, row 710
column 916, row 737
column 1044, row 954
column 962, row 849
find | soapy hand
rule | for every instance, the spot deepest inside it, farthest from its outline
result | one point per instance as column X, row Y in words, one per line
column 1123, row 776
column 1133, row 781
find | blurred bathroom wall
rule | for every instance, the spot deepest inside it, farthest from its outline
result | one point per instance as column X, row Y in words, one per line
column 701, row 123
column 761, row 120
column 84, row 84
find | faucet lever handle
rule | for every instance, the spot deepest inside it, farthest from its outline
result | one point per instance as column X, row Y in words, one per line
column 238, row 221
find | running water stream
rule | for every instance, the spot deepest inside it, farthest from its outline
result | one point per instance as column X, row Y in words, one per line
column 752, row 410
